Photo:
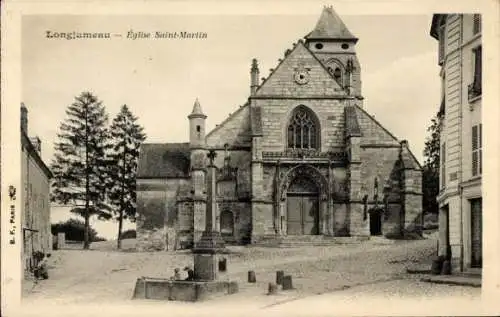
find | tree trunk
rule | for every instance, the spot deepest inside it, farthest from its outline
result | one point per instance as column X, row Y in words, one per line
column 86, row 242
column 120, row 219
column 120, row 224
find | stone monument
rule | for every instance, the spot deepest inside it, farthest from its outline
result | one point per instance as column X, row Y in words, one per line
column 208, row 249
column 206, row 253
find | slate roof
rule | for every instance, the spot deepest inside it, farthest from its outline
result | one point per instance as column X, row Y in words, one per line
column 164, row 160
column 330, row 27
column 351, row 122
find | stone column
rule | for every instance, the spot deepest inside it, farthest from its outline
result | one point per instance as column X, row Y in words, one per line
column 211, row 243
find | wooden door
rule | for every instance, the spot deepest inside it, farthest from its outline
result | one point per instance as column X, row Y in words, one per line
column 310, row 214
column 476, row 233
column 302, row 212
column 294, row 215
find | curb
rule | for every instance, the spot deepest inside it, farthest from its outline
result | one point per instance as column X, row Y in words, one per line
column 418, row 271
column 451, row 282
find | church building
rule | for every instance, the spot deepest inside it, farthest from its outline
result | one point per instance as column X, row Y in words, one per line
column 301, row 158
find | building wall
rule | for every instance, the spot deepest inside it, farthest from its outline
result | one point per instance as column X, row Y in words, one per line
column 36, row 215
column 458, row 185
column 157, row 212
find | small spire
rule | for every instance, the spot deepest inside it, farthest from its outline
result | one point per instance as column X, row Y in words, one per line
column 197, row 107
column 255, row 65
column 197, row 110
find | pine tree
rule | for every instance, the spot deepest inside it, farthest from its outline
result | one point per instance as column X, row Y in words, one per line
column 79, row 165
column 431, row 165
column 127, row 137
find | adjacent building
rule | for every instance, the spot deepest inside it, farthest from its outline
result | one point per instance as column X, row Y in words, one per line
column 302, row 157
column 35, row 178
column 460, row 197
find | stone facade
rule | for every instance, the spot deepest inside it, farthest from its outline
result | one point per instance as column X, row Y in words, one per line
column 300, row 157
column 35, row 177
column 460, row 197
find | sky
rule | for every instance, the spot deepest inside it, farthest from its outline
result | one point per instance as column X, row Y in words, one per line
column 159, row 79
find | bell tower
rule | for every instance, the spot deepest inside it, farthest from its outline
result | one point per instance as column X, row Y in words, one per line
column 334, row 45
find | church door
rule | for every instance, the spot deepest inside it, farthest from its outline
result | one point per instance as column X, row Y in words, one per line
column 375, row 222
column 302, row 208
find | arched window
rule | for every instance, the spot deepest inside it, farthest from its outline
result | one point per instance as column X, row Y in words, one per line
column 302, row 130
column 336, row 68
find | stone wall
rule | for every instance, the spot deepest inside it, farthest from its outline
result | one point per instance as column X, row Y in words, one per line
column 36, row 207
column 157, row 212
column 242, row 215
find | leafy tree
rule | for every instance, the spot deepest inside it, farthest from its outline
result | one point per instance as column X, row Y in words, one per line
column 430, row 175
column 127, row 137
column 79, row 165
column 74, row 230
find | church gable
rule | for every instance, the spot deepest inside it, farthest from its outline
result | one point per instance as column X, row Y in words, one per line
column 299, row 74
column 235, row 130
column 372, row 131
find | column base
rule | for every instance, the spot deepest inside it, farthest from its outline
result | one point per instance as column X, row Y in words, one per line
column 209, row 243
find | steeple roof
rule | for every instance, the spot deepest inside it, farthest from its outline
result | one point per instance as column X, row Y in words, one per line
column 197, row 112
column 330, row 27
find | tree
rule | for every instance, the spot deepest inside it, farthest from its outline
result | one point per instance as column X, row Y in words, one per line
column 79, row 165
column 74, row 230
column 430, row 177
column 127, row 137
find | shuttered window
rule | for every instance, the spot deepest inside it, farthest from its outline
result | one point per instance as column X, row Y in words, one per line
column 443, row 165
column 476, row 26
column 441, row 43
column 477, row 154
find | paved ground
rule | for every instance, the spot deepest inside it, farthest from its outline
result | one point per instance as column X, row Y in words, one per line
column 334, row 276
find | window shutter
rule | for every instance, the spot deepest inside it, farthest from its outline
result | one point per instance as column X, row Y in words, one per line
column 480, row 149
column 476, row 151
column 441, row 43
column 476, row 28
column 474, row 138
column 478, row 70
column 475, row 162
column 443, row 164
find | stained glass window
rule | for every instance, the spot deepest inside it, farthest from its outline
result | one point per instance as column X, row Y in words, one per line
column 302, row 130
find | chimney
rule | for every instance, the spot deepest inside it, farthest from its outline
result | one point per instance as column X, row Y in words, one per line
column 37, row 144
column 254, row 77
column 24, row 118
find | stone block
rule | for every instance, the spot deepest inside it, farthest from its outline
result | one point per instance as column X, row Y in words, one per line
column 251, row 277
column 272, row 289
column 205, row 266
column 287, row 282
column 61, row 240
